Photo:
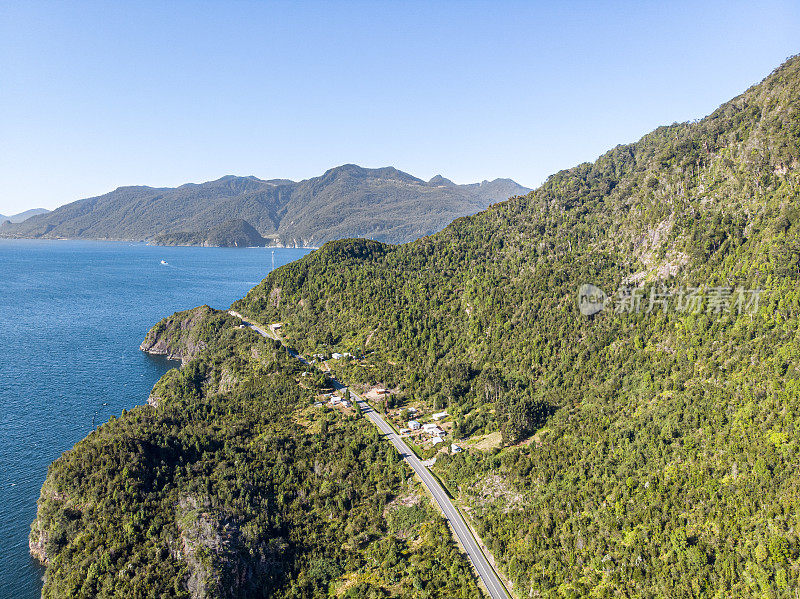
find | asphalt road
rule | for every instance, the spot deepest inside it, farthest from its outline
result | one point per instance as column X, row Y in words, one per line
column 482, row 566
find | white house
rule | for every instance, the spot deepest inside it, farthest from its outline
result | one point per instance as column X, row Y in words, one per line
column 413, row 425
column 436, row 440
column 412, row 410
column 337, row 356
column 432, row 429
column 345, row 403
column 455, row 448
column 439, row 415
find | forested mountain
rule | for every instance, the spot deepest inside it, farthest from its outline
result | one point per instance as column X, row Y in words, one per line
column 648, row 449
column 233, row 483
column 347, row 201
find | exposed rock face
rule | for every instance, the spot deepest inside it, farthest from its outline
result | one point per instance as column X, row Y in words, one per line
column 37, row 542
column 39, row 537
column 177, row 336
column 209, row 544
column 206, row 540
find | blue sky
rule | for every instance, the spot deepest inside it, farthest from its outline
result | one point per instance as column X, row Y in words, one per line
column 98, row 95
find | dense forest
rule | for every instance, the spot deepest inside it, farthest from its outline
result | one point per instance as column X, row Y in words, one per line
column 233, row 482
column 649, row 449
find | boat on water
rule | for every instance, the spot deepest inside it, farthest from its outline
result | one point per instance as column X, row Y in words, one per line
column 165, row 262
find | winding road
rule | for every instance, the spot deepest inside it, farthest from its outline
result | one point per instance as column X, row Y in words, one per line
column 482, row 566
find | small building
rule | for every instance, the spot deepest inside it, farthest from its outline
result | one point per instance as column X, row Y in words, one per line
column 413, row 425
column 436, row 441
column 336, row 399
column 345, row 403
column 411, row 410
column 276, row 326
column 404, row 431
column 381, row 391
column 337, row 356
column 432, row 429
column 455, row 448
column 439, row 415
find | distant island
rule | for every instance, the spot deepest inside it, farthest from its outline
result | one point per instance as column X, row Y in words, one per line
column 384, row 204
column 232, row 233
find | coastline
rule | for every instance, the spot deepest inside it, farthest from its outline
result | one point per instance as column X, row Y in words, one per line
column 149, row 243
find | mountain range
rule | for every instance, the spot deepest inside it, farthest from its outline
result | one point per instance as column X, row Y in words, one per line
column 23, row 216
column 347, row 201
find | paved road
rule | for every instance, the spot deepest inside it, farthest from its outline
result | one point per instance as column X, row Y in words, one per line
column 453, row 516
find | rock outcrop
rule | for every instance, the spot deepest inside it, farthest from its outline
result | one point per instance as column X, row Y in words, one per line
column 180, row 336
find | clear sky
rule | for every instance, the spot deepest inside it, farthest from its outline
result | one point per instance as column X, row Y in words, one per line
column 98, row 95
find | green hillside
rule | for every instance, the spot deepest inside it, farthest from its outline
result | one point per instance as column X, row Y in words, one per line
column 233, row 483
column 645, row 453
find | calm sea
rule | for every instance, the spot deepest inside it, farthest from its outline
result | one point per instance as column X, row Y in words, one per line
column 72, row 316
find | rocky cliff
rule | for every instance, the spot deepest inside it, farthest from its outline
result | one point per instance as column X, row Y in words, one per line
column 184, row 335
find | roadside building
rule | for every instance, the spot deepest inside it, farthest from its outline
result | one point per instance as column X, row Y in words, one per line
column 413, row 425
column 432, row 429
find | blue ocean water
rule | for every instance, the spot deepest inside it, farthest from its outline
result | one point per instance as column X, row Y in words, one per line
column 72, row 316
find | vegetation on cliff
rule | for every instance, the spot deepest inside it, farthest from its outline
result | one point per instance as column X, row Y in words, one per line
column 238, row 485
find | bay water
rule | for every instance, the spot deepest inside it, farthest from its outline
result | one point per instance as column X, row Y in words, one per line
column 72, row 316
